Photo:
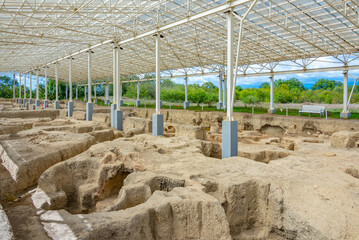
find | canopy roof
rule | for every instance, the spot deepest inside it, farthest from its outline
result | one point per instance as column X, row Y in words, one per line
column 38, row 33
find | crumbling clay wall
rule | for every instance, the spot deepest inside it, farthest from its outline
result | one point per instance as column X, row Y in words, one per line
column 256, row 122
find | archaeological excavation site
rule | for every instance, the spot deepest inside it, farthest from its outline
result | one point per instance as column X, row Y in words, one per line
column 112, row 127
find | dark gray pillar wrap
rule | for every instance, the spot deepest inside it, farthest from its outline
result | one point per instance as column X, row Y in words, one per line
column 118, row 117
column 46, row 104
column 185, row 104
column 89, row 111
column 37, row 104
column 57, row 104
column 70, row 109
column 229, row 139
column 157, row 124
column 138, row 103
column 113, row 109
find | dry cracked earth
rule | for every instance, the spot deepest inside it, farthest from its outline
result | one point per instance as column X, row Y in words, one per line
column 63, row 178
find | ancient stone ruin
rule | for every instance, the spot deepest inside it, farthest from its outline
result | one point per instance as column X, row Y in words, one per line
column 67, row 178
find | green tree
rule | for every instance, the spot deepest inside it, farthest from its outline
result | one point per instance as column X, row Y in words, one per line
column 326, row 84
column 291, row 83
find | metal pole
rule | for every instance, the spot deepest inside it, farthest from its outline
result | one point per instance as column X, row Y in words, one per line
column 13, row 86
column 271, row 104
column 19, row 85
column 118, row 80
column 186, row 88
column 25, row 85
column 114, row 75
column 224, row 92
column 158, row 76
column 230, row 35
column 45, row 83
column 345, row 94
column 89, row 77
column 220, row 78
column 30, row 86
column 37, row 84
column 138, row 90
column 57, row 82
column 70, row 78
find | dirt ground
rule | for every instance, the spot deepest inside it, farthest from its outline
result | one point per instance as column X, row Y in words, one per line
column 292, row 179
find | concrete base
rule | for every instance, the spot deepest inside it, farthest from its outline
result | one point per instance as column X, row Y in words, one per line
column 113, row 109
column 185, row 104
column 24, row 101
column 121, row 103
column 219, row 105
column 157, row 124
column 118, row 117
column 345, row 115
column 46, row 104
column 70, row 108
column 271, row 111
column 229, row 139
column 138, row 103
column 37, row 104
column 89, row 111
column 57, row 104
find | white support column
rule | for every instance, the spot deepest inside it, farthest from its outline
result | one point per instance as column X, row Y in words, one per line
column 118, row 114
column 89, row 104
column 20, row 99
column 57, row 102
column 229, row 127
column 94, row 92
column 37, row 84
column 46, row 102
column 345, row 113
column 186, row 103
column 56, row 83
column 271, row 104
column 25, row 76
column 224, row 82
column 77, row 91
column 158, row 74
column 114, row 89
column 30, row 99
column 37, row 101
column 107, row 94
column 118, row 81
column 70, row 104
column 157, row 118
column 138, row 102
column 114, row 75
column 85, row 97
column 13, row 87
column 220, row 103
column 70, row 78
column 230, row 57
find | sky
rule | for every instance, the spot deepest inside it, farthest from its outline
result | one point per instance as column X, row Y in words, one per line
column 308, row 79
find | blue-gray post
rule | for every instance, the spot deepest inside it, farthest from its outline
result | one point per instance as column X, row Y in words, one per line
column 186, row 103
column 229, row 139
